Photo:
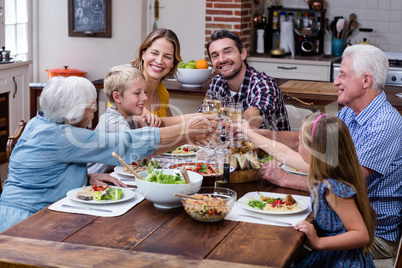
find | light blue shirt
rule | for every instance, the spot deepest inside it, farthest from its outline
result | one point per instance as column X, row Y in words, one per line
column 111, row 121
column 50, row 159
column 377, row 135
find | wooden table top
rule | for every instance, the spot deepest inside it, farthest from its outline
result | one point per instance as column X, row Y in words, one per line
column 150, row 236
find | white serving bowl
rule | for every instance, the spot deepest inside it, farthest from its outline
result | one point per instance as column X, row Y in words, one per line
column 193, row 77
column 162, row 194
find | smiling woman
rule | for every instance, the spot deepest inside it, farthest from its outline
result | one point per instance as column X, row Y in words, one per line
column 157, row 58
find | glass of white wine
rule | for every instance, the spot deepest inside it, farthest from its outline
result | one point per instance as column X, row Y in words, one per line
column 236, row 115
column 211, row 106
column 212, row 103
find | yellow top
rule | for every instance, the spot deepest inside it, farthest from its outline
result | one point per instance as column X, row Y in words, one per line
column 164, row 100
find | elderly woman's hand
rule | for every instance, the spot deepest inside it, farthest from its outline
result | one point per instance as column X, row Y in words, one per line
column 104, row 179
column 200, row 127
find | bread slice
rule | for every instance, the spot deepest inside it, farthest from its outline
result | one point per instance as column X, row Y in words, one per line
column 85, row 196
column 289, row 199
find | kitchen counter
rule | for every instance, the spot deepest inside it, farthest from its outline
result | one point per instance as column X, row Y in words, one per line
column 4, row 66
column 175, row 88
column 192, row 96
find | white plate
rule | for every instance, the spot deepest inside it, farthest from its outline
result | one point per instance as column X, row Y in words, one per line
column 192, row 154
column 256, row 195
column 293, row 171
column 185, row 145
column 127, row 194
column 119, row 170
column 191, row 163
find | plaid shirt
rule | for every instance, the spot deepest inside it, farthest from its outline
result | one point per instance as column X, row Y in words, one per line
column 261, row 91
column 377, row 135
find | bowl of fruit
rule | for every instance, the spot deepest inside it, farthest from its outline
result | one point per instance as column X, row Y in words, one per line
column 193, row 73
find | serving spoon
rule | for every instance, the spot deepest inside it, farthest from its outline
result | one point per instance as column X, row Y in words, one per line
column 193, row 197
column 127, row 166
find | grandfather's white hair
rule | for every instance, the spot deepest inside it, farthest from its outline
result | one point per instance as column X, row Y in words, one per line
column 369, row 59
column 64, row 99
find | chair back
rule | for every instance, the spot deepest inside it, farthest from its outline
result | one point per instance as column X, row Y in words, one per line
column 12, row 140
column 297, row 110
column 398, row 259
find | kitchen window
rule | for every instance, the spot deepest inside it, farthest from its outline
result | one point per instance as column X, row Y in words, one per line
column 15, row 33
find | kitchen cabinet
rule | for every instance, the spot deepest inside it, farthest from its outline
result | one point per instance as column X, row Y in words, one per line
column 314, row 68
column 14, row 94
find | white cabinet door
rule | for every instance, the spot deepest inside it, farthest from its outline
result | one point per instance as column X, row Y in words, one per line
column 14, row 81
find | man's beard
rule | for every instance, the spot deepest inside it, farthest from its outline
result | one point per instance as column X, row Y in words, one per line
column 233, row 74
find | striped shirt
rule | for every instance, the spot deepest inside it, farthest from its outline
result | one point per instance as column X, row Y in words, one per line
column 257, row 90
column 377, row 135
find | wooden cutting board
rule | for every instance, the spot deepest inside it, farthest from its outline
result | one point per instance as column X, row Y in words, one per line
column 322, row 88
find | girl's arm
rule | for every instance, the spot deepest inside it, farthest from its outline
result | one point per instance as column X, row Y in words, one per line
column 356, row 235
column 279, row 151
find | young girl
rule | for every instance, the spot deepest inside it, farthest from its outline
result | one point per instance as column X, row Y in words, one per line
column 343, row 230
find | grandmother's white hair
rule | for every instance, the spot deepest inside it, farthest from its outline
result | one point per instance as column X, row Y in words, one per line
column 369, row 59
column 64, row 99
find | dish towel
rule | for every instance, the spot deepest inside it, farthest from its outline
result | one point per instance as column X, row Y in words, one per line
column 286, row 37
column 269, row 219
column 110, row 210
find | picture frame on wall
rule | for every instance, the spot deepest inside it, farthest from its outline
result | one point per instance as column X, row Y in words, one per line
column 90, row 18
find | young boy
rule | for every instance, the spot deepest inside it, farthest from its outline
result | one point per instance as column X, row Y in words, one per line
column 125, row 89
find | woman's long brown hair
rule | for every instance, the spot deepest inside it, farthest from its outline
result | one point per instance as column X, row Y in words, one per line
column 333, row 155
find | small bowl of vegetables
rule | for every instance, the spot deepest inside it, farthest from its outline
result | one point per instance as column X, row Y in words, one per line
column 159, row 185
column 209, row 204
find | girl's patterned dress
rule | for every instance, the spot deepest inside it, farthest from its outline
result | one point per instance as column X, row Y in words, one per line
column 327, row 223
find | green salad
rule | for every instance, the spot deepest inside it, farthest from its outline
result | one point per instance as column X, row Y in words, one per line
column 266, row 158
column 159, row 177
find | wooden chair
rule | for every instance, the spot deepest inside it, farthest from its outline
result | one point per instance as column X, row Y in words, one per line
column 12, row 140
column 398, row 259
column 297, row 110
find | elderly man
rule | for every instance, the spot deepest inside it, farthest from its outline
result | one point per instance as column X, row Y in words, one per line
column 261, row 99
column 375, row 127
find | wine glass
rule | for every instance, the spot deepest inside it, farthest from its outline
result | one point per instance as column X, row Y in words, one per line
column 226, row 108
column 212, row 103
column 236, row 115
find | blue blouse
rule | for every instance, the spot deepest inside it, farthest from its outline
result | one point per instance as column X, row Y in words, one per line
column 50, row 159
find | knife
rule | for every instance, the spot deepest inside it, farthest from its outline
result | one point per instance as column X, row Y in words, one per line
column 267, row 220
column 87, row 208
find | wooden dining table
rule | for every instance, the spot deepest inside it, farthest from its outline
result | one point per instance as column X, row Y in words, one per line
column 149, row 237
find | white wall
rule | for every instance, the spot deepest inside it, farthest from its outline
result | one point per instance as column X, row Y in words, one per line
column 97, row 55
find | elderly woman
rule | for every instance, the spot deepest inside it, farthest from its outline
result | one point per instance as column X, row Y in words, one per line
column 52, row 153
